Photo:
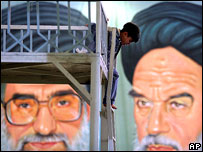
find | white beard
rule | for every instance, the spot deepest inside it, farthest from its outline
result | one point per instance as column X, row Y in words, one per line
column 162, row 140
column 6, row 143
column 80, row 142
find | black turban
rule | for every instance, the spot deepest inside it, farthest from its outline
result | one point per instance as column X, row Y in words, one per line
column 177, row 24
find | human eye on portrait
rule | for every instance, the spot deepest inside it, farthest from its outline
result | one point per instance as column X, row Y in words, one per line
column 63, row 102
column 179, row 106
column 69, row 100
column 144, row 106
column 144, row 103
column 24, row 103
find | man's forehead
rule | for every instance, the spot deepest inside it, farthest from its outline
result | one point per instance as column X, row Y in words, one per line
column 167, row 69
column 35, row 89
column 168, row 59
column 37, row 86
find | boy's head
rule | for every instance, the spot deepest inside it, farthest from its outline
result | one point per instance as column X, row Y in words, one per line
column 130, row 33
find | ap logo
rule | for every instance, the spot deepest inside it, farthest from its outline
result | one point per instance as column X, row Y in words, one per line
column 194, row 146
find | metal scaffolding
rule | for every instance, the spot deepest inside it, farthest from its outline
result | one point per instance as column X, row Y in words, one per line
column 23, row 62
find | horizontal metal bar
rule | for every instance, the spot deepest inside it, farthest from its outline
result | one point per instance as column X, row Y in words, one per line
column 43, row 27
column 25, row 57
column 20, row 66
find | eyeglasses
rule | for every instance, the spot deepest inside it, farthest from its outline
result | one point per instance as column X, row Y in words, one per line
column 24, row 110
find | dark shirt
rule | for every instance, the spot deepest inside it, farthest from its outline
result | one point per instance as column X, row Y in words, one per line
column 92, row 45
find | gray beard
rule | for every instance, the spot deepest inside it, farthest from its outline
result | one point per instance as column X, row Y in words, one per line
column 147, row 140
column 80, row 141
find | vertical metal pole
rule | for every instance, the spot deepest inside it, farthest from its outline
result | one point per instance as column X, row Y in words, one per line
column 83, row 35
column 31, row 41
column 1, row 14
column 74, row 34
column 21, row 36
column 96, row 89
column 4, row 40
column 56, row 50
column 49, row 35
column 110, row 79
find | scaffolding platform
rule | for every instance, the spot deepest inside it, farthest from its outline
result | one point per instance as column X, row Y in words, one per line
column 38, row 54
column 39, row 67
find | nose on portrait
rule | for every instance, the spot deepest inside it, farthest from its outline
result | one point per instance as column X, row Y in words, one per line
column 44, row 123
column 157, row 123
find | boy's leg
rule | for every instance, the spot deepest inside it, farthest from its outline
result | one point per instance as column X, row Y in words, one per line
column 114, row 88
column 105, row 94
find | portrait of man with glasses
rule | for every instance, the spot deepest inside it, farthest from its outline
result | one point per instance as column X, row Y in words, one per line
column 43, row 117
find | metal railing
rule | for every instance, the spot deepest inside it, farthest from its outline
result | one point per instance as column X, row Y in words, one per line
column 48, row 41
column 49, row 28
